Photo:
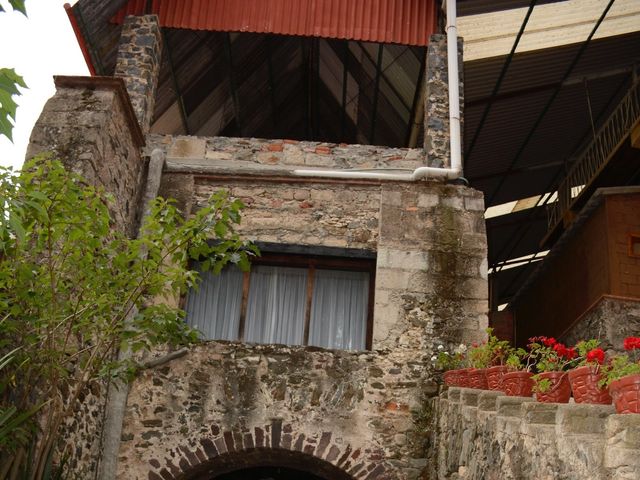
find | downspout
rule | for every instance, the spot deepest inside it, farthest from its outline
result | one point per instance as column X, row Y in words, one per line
column 118, row 391
column 455, row 171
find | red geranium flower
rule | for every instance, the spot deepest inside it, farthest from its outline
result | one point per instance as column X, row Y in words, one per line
column 570, row 353
column 596, row 355
column 631, row 343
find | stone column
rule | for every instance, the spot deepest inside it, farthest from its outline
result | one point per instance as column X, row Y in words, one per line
column 138, row 63
column 436, row 101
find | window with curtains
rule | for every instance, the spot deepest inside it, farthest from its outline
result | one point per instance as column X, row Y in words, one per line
column 288, row 299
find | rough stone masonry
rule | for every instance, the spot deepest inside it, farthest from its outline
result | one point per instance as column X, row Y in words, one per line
column 343, row 414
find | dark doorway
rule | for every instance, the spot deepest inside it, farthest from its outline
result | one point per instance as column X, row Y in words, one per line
column 266, row 464
column 267, row 473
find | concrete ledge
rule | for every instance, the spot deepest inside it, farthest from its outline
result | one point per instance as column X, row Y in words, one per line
column 525, row 439
column 116, row 85
column 539, row 413
column 469, row 397
column 487, row 400
column 511, row 406
column 582, row 419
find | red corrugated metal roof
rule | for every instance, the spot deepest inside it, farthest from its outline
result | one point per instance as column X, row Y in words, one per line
column 407, row 22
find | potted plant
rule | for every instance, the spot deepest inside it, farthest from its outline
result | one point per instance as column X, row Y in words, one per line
column 622, row 375
column 479, row 359
column 551, row 383
column 517, row 381
column 452, row 364
column 498, row 352
column 586, row 377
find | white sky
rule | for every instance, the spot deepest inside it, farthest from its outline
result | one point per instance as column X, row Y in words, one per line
column 37, row 47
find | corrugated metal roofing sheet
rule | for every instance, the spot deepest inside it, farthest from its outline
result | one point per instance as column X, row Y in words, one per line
column 407, row 22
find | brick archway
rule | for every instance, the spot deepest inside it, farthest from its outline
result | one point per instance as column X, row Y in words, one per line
column 274, row 445
column 265, row 457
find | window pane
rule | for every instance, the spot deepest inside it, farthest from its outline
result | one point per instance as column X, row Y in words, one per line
column 339, row 310
column 215, row 308
column 275, row 310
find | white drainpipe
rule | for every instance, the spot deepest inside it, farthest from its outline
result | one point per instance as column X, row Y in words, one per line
column 455, row 171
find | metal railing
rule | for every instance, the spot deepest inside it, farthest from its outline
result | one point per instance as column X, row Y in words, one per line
column 595, row 157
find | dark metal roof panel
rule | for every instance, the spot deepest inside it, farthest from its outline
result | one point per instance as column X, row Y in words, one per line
column 516, row 234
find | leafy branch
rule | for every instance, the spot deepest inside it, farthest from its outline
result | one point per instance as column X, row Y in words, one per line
column 73, row 291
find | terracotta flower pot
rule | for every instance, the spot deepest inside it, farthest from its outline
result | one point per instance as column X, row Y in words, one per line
column 584, row 385
column 463, row 377
column 455, row 378
column 560, row 390
column 477, row 378
column 450, row 378
column 626, row 394
column 494, row 376
column 517, row 384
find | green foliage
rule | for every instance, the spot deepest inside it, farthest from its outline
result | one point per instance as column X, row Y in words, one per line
column 17, row 5
column 73, row 290
column 15, row 428
column 444, row 360
column 9, row 83
column 491, row 352
column 519, row 359
column 541, row 385
column 620, row 366
column 498, row 350
column 479, row 356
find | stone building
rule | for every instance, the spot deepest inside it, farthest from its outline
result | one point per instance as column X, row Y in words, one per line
column 321, row 117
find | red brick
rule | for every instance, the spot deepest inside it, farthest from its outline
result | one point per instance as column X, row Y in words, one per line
column 275, row 147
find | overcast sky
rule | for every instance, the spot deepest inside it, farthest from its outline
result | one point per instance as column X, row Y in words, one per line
column 38, row 47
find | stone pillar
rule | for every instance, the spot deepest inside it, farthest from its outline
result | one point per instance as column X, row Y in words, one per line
column 90, row 125
column 431, row 273
column 138, row 63
column 436, row 101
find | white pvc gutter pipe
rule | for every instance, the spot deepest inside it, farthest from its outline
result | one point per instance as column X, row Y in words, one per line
column 455, row 171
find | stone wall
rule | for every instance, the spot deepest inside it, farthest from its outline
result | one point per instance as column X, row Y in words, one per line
column 429, row 237
column 138, row 63
column 211, row 154
column 486, row 435
column 352, row 410
column 611, row 318
column 436, row 101
column 90, row 125
column 362, row 412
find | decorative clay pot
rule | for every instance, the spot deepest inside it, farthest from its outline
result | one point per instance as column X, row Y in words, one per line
column 463, row 377
column 455, row 378
column 626, row 394
column 560, row 390
column 584, row 385
column 494, row 376
column 517, row 384
column 450, row 378
column 477, row 378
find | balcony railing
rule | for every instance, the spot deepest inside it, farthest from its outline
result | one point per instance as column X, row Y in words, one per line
column 595, row 157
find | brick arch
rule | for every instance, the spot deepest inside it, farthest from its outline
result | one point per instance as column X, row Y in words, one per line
column 226, row 451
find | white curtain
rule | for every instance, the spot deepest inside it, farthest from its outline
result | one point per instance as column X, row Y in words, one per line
column 214, row 308
column 339, row 310
column 276, row 305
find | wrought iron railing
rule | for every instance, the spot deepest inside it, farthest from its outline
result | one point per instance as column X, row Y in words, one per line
column 594, row 158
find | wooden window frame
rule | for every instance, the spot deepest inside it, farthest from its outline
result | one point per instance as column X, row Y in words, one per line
column 633, row 238
column 312, row 263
